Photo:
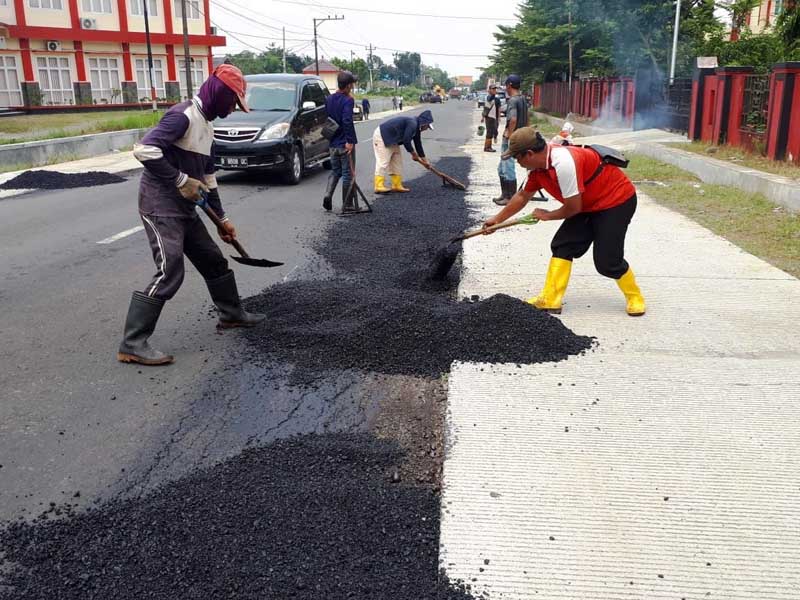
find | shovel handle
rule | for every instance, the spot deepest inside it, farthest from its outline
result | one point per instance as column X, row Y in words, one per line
column 526, row 220
column 203, row 203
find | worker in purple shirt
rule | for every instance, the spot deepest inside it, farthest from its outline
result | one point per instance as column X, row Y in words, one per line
column 340, row 107
column 178, row 159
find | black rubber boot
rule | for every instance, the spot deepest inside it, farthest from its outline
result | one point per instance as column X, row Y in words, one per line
column 348, row 204
column 140, row 323
column 501, row 199
column 327, row 199
column 226, row 297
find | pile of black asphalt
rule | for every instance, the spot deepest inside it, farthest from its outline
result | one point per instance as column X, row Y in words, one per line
column 309, row 517
column 382, row 312
column 350, row 515
column 53, row 180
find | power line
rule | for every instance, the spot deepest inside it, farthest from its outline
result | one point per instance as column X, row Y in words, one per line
column 251, row 20
column 248, row 9
column 389, row 12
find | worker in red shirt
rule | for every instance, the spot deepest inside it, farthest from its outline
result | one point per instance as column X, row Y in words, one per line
column 598, row 202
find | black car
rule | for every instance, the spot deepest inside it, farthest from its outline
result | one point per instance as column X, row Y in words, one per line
column 430, row 97
column 283, row 131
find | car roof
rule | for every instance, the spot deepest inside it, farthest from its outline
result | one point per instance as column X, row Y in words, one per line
column 289, row 77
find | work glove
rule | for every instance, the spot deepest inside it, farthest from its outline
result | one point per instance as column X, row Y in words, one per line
column 190, row 189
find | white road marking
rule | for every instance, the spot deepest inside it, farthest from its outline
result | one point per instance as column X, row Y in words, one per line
column 289, row 273
column 122, row 234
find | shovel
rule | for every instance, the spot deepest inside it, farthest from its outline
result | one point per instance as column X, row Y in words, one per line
column 245, row 258
column 445, row 177
column 446, row 256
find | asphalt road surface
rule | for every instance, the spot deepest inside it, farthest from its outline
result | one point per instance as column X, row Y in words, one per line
column 73, row 419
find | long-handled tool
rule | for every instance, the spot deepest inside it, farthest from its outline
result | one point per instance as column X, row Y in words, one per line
column 245, row 258
column 445, row 177
column 445, row 258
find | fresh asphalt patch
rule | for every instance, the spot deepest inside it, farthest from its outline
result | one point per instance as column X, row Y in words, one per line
column 332, row 516
column 53, row 180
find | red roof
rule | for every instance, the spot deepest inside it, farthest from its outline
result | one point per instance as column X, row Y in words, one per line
column 324, row 67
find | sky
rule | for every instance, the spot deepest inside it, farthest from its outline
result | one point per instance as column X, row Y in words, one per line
column 459, row 44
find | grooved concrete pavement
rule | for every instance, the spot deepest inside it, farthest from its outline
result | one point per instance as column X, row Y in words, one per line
column 660, row 465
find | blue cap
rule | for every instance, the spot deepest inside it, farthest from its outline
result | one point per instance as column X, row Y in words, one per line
column 514, row 81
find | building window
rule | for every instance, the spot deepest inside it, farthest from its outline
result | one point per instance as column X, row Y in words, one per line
column 55, row 79
column 778, row 7
column 97, row 6
column 10, row 94
column 143, row 78
column 193, row 11
column 104, row 74
column 198, row 76
column 137, row 8
column 54, row 4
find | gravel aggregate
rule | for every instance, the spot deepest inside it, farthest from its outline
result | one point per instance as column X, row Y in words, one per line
column 53, row 180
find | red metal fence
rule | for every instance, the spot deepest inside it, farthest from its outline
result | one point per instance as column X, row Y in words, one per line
column 726, row 105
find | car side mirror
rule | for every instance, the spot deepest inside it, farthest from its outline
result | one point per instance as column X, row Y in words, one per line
column 308, row 105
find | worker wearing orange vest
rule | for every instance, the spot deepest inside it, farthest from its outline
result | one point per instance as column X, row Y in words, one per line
column 598, row 202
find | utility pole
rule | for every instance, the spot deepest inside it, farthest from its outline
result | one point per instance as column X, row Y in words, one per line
column 569, row 17
column 284, row 49
column 369, row 66
column 149, row 55
column 320, row 21
column 352, row 61
column 675, row 41
column 187, row 57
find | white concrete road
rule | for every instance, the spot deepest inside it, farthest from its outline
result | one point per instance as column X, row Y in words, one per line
column 663, row 464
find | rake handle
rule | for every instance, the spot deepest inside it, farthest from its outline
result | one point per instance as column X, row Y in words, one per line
column 483, row 230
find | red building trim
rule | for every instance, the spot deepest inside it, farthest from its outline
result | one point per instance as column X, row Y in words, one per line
column 168, row 16
column 122, row 10
column 126, row 62
column 171, row 76
column 27, row 62
column 210, row 59
column 80, row 64
column 73, row 14
column 207, row 15
column 19, row 9
column 87, row 35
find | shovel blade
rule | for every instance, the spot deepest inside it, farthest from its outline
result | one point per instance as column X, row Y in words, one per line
column 256, row 262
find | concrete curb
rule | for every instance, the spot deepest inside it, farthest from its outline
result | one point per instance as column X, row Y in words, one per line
column 580, row 128
column 42, row 152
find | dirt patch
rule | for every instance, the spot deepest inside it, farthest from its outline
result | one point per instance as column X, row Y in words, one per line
column 53, row 180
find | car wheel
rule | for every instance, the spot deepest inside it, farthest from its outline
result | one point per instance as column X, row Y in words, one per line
column 295, row 172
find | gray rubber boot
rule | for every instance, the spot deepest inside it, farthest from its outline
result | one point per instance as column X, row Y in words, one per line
column 348, row 203
column 327, row 199
column 509, row 188
column 226, row 297
column 140, row 323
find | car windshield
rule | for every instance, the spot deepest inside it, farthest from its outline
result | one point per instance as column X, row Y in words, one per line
column 270, row 95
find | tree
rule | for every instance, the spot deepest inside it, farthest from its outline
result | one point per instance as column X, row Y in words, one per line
column 268, row 61
column 788, row 28
column 408, row 67
column 438, row 76
column 358, row 67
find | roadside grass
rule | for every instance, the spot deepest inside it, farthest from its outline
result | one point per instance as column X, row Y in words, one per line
column 741, row 157
column 546, row 127
column 748, row 220
column 48, row 127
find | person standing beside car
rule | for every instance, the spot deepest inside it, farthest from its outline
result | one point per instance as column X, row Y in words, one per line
column 340, row 106
column 516, row 118
column 365, row 108
column 491, row 116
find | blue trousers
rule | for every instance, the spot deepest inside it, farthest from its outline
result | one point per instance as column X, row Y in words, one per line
column 340, row 165
column 507, row 169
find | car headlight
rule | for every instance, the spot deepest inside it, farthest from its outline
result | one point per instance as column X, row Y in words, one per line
column 275, row 132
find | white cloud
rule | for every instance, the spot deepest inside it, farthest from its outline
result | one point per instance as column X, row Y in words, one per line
column 470, row 41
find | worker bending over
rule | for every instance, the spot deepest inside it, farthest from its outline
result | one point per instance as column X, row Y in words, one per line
column 598, row 202
column 178, row 160
column 386, row 142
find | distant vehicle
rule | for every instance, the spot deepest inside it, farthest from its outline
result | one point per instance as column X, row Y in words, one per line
column 430, row 97
column 358, row 114
column 482, row 99
column 283, row 131
column 501, row 94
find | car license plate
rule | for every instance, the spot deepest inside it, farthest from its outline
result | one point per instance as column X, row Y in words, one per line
column 234, row 162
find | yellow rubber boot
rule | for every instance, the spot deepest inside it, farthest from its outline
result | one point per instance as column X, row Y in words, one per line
column 633, row 295
column 397, row 184
column 380, row 185
column 555, row 284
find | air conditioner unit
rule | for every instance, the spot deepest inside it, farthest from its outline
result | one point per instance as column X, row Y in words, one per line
column 2, row 43
column 53, row 46
column 213, row 30
column 87, row 23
